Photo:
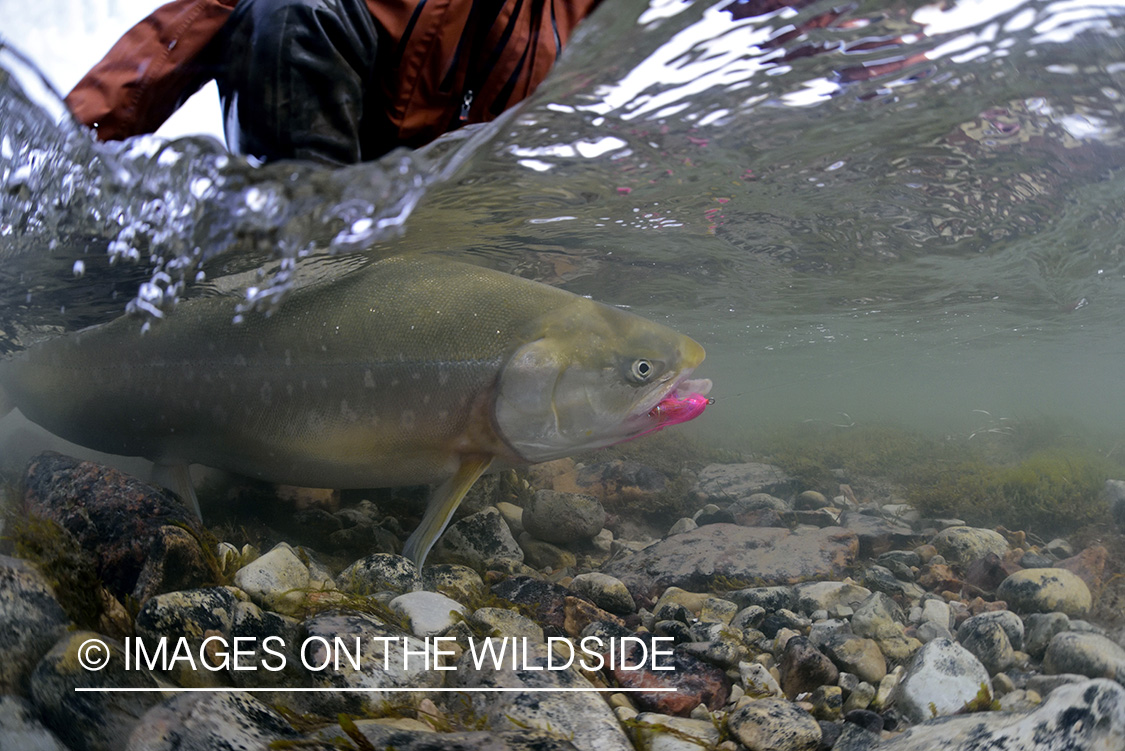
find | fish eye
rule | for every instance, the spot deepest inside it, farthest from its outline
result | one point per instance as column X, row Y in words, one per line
column 641, row 370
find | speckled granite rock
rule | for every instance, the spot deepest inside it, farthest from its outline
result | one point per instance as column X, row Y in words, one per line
column 767, row 554
column 377, row 668
column 89, row 721
column 695, row 682
column 32, row 621
column 1091, row 655
column 1046, row 590
column 966, row 544
column 774, row 725
column 209, row 722
column 194, row 614
column 383, row 736
column 131, row 528
column 478, row 540
column 1086, row 716
column 584, row 718
column 659, row 732
column 21, row 730
column 380, row 572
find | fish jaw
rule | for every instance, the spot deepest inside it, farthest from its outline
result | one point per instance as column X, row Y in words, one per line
column 685, row 402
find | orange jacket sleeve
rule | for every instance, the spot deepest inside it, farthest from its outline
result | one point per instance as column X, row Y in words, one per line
column 150, row 71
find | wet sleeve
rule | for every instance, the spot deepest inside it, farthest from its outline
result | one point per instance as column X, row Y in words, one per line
column 151, row 70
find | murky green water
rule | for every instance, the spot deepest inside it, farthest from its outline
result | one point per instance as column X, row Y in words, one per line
column 865, row 212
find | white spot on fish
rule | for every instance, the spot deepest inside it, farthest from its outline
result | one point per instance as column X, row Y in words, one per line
column 369, row 379
column 347, row 412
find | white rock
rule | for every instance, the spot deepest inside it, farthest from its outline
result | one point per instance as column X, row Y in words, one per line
column 942, row 677
column 428, row 613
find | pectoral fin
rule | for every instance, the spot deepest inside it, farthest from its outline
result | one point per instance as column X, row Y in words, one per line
column 176, row 478
column 443, row 503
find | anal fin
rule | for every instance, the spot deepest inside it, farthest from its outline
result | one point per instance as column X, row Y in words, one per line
column 444, row 501
column 176, row 478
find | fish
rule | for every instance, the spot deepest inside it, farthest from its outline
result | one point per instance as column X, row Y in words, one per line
column 412, row 370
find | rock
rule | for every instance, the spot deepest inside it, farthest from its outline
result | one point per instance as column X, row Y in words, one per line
column 966, row 544
column 1059, row 548
column 985, row 574
column 878, row 535
column 20, row 728
column 379, row 735
column 879, row 618
column 827, row 703
column 128, row 526
column 1041, row 628
column 695, row 682
column 722, row 483
column 604, row 591
column 266, row 633
column 498, row 622
column 380, row 572
column 1089, row 564
column 584, row 718
column 682, row 525
column 774, row 725
column 428, row 613
column 810, row 500
column 90, row 721
column 381, row 659
column 712, row 514
column 854, row 654
column 941, row 679
column 1031, row 559
column 829, row 596
column 659, row 732
column 209, row 722
column 778, row 556
column 194, row 614
column 758, row 681
column 578, row 613
column 1086, row 654
column 1046, row 590
column 547, row 600
column 544, row 555
column 281, row 581
column 563, row 517
column 768, row 598
column 860, row 699
column 1046, row 684
column 803, row 667
column 513, row 516
column 478, row 540
column 937, row 612
column 459, row 582
column 880, row 579
column 1087, row 716
column 717, row 610
column 988, row 642
column 1006, row 619
column 33, row 621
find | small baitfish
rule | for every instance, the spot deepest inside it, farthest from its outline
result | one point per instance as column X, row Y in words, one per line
column 409, row 371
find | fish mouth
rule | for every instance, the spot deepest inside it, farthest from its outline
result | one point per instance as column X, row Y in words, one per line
column 685, row 400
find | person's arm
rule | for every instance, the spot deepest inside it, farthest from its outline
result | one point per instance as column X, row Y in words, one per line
column 150, row 71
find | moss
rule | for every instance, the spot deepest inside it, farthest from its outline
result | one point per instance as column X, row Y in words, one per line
column 69, row 569
column 1053, row 492
column 982, row 702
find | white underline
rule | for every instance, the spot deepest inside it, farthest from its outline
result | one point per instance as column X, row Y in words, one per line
column 322, row 689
